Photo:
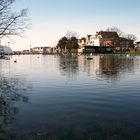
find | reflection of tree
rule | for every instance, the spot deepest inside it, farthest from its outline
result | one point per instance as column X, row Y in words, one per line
column 69, row 66
column 11, row 90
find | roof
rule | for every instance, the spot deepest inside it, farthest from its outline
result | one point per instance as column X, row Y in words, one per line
column 123, row 39
column 107, row 34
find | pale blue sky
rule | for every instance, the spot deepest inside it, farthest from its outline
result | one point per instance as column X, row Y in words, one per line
column 51, row 19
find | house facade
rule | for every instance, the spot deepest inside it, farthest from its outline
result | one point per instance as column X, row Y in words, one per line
column 138, row 44
column 107, row 39
column 37, row 50
column 42, row 50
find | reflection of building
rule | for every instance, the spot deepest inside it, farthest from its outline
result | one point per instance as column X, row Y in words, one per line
column 89, row 66
column 106, row 66
column 69, row 66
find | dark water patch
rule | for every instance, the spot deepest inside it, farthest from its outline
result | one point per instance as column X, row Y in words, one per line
column 70, row 98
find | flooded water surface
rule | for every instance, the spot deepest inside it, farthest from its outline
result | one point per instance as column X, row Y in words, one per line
column 54, row 97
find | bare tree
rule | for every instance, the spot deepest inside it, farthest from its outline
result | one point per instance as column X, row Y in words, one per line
column 71, row 34
column 12, row 23
column 122, row 34
column 131, row 37
column 116, row 29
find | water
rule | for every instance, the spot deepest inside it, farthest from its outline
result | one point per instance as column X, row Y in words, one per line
column 52, row 97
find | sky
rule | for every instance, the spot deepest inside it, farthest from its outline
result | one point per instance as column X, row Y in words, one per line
column 51, row 19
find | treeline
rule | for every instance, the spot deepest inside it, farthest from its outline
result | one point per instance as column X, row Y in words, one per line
column 68, row 43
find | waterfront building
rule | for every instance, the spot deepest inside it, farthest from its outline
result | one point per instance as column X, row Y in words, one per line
column 37, row 50
column 109, row 40
column 81, row 43
column 138, row 44
column 42, row 50
column 26, row 52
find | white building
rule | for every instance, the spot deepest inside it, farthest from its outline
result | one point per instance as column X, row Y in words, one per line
column 90, row 40
column 42, row 50
column 38, row 50
column 94, row 41
column 138, row 44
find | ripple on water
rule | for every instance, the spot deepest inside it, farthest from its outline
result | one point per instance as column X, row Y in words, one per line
column 73, row 97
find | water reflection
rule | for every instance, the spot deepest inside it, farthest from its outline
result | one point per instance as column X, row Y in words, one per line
column 85, row 107
column 12, row 90
column 69, row 66
column 106, row 66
